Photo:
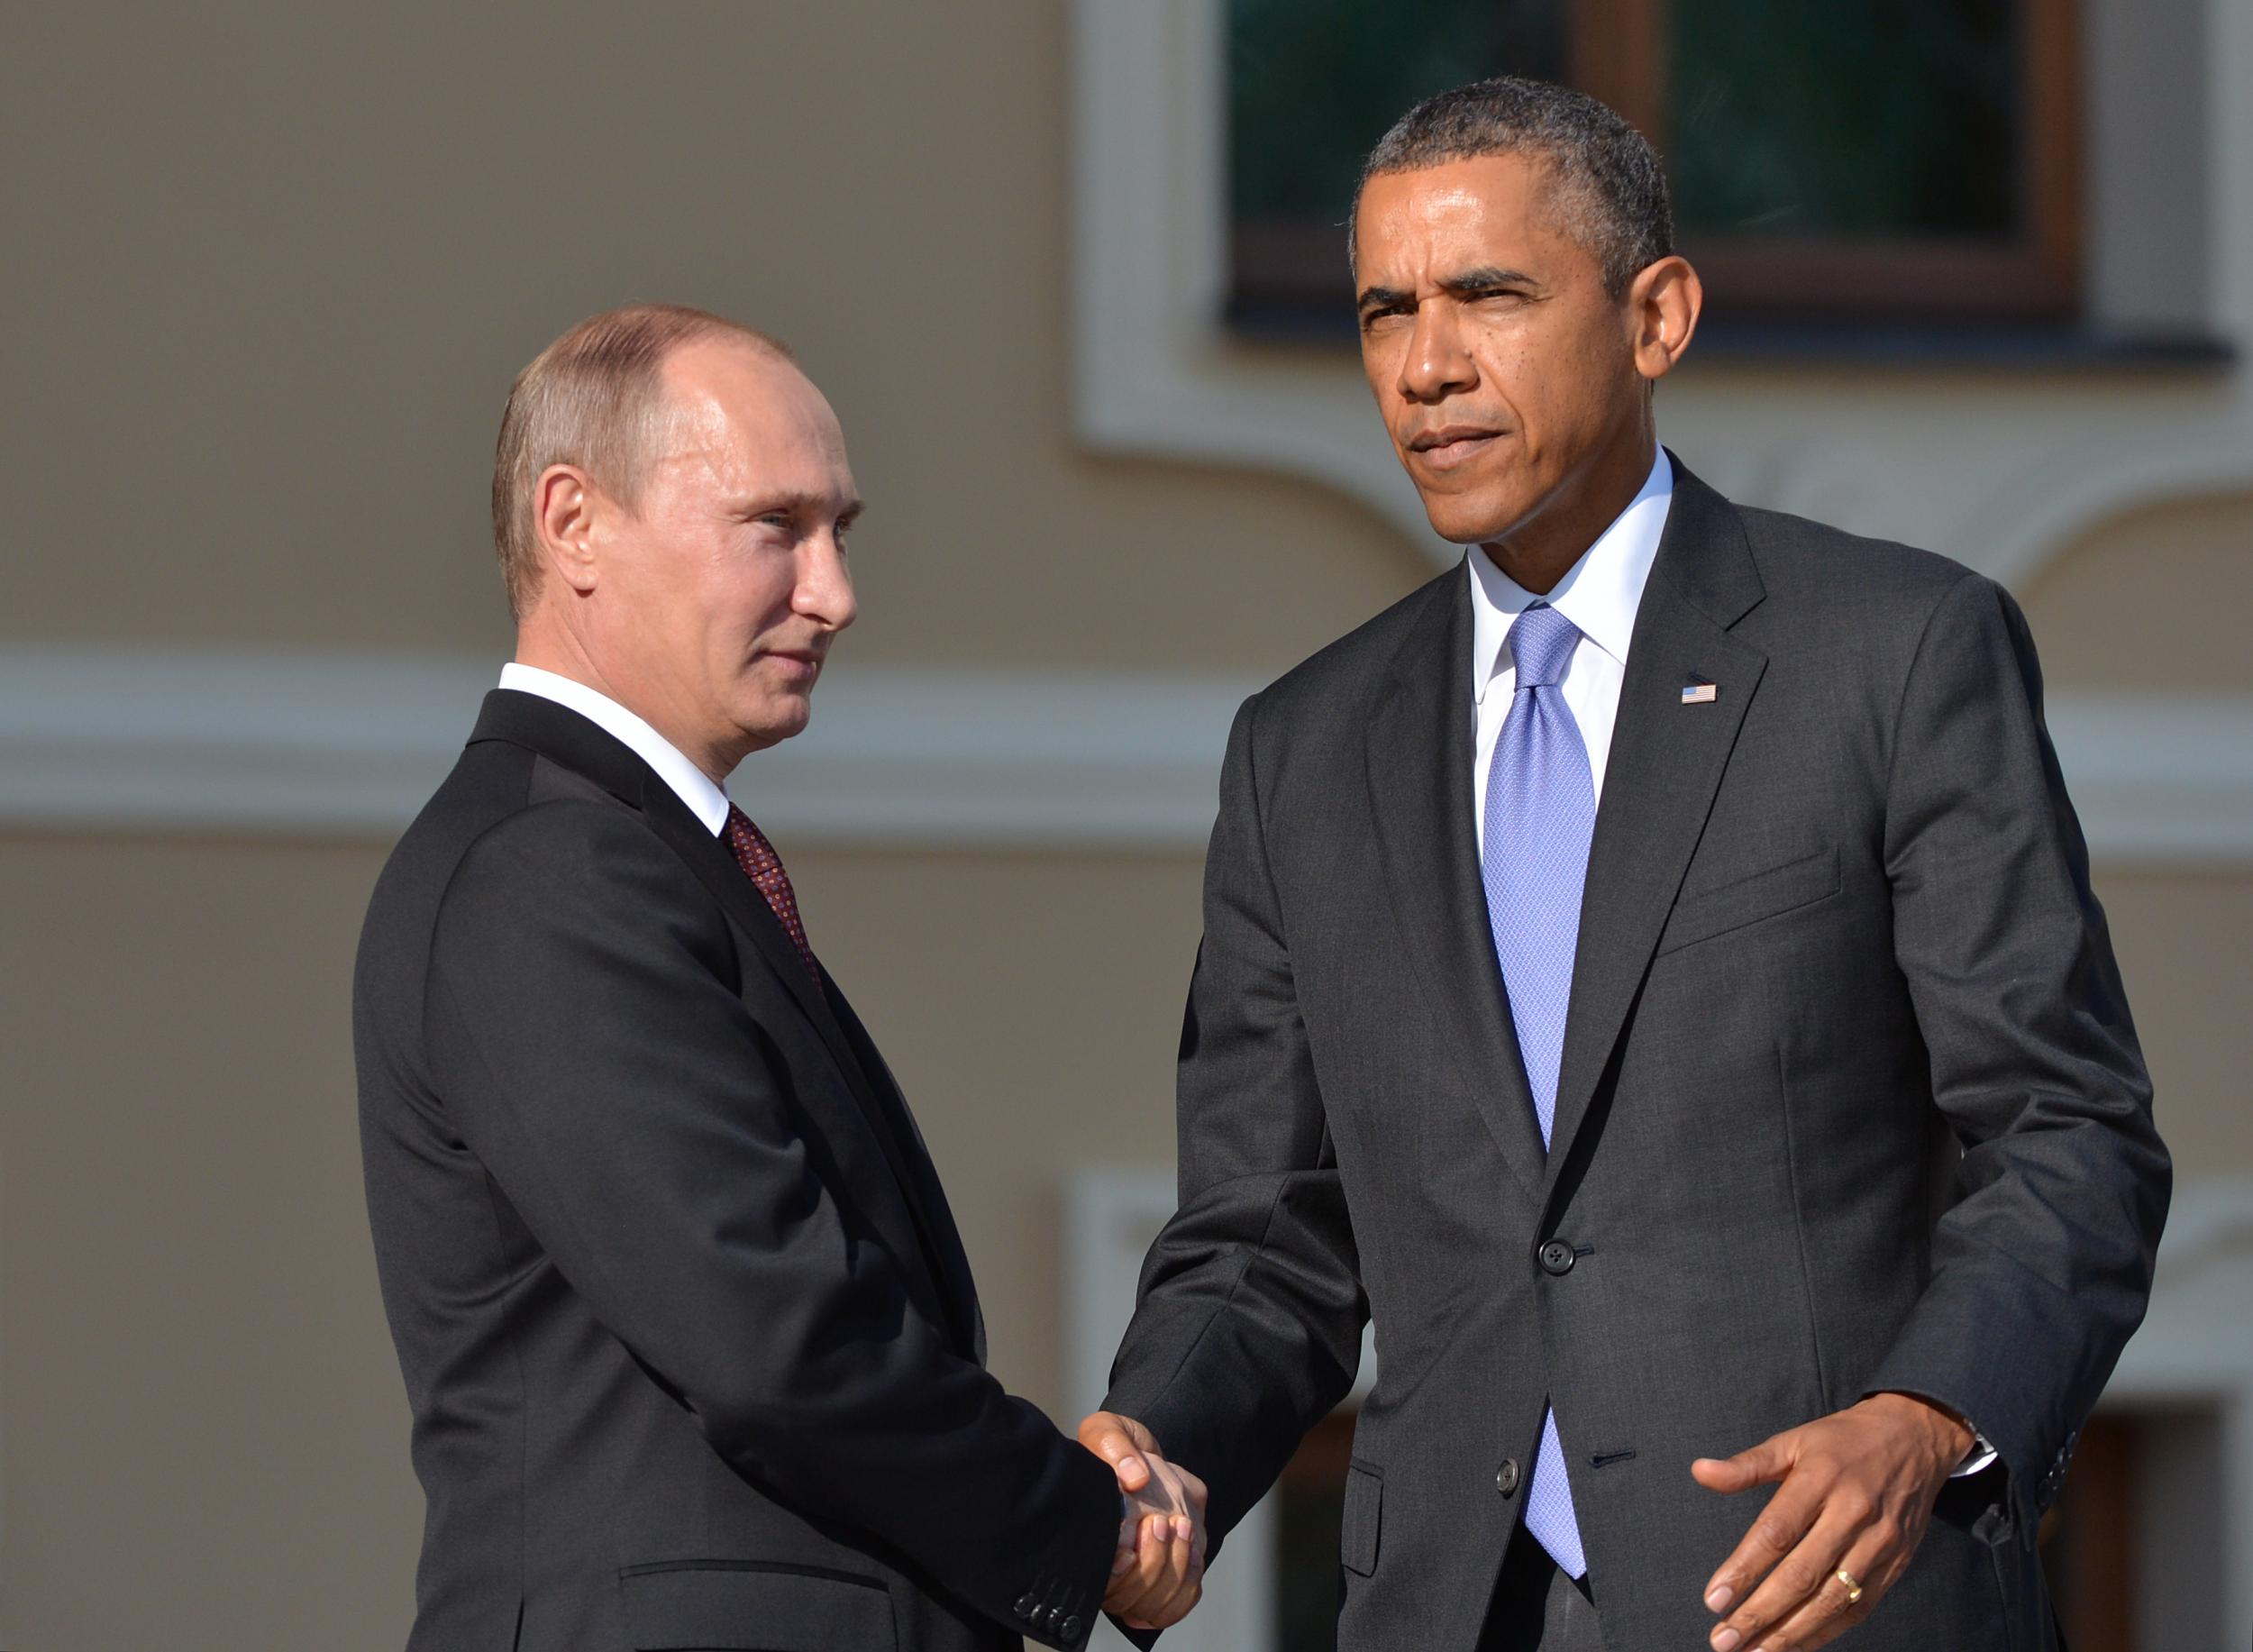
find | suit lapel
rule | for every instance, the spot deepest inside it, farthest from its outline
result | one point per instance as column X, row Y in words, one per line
column 1420, row 761
column 940, row 1231
column 562, row 735
column 717, row 867
column 715, row 864
column 1666, row 764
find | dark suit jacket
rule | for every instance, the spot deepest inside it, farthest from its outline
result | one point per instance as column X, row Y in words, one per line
column 1836, row 920
column 691, row 1344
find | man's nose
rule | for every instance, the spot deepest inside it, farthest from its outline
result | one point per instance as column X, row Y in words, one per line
column 824, row 584
column 1435, row 365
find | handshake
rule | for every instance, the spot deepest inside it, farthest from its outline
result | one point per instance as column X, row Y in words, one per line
column 1159, row 1571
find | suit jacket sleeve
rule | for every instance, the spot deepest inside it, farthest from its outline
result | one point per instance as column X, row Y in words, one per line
column 586, row 1036
column 1247, row 1331
column 2040, row 1270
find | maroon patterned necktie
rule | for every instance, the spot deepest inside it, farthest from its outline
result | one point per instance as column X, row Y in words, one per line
column 764, row 867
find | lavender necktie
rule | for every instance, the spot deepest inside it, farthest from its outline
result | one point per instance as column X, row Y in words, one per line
column 1540, row 815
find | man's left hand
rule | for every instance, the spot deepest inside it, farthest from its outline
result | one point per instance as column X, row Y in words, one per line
column 1857, row 1488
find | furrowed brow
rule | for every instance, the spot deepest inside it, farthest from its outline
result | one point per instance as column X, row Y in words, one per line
column 1379, row 298
column 1486, row 278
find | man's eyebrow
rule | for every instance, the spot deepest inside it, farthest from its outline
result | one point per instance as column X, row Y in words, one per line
column 799, row 504
column 1485, row 279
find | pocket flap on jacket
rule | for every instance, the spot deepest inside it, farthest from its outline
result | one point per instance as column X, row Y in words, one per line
column 753, row 1606
column 1357, row 1531
column 1750, row 900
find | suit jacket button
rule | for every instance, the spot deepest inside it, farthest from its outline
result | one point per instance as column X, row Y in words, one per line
column 1556, row 1257
column 1025, row 1605
column 1069, row 1628
column 1506, row 1477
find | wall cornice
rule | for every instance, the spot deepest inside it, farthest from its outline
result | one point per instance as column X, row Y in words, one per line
column 138, row 739
column 295, row 743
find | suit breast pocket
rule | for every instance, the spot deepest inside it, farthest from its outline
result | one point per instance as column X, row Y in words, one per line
column 753, row 1606
column 1744, row 901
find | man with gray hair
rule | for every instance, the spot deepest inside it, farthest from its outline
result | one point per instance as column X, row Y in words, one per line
column 1603, row 949
column 691, row 1344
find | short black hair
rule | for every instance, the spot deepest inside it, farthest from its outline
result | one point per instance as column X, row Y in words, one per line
column 1604, row 176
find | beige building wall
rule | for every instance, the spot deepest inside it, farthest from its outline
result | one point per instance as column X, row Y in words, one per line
column 283, row 270
column 2153, row 600
column 2158, row 601
column 279, row 265
column 2182, row 937
column 283, row 264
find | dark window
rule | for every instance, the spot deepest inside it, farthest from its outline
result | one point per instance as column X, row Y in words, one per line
column 2089, row 1538
column 1862, row 158
column 1310, row 1501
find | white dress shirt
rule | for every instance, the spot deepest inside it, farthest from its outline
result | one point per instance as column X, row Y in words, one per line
column 690, row 784
column 1599, row 594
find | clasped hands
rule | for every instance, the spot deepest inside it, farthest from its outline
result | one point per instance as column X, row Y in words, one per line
column 1159, row 1571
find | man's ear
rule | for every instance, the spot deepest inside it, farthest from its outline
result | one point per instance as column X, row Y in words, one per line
column 564, row 502
column 1664, row 301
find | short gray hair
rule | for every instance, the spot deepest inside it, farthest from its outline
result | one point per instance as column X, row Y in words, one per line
column 1604, row 178
column 592, row 399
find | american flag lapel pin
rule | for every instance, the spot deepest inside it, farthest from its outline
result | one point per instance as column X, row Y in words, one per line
column 1697, row 691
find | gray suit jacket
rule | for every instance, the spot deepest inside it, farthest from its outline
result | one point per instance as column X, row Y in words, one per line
column 1838, row 932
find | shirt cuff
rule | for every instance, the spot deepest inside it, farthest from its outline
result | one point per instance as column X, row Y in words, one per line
column 1979, row 1458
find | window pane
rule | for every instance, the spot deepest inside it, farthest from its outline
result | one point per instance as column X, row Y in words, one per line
column 1309, row 1504
column 1312, row 84
column 1864, row 118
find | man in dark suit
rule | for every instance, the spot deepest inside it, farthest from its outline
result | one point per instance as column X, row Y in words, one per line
column 1599, row 944
column 691, row 1344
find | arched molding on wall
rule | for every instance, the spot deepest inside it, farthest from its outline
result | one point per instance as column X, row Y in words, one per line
column 1153, row 375
column 1999, row 468
column 2027, row 530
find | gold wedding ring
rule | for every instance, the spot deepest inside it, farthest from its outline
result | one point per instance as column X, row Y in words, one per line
column 1854, row 1590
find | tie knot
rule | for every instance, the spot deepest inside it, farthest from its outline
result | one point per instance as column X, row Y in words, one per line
column 1541, row 643
column 741, row 833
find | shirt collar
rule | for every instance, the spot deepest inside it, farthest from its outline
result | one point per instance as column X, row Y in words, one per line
column 689, row 783
column 1598, row 593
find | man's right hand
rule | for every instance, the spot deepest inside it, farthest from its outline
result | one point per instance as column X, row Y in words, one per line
column 1160, row 1570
